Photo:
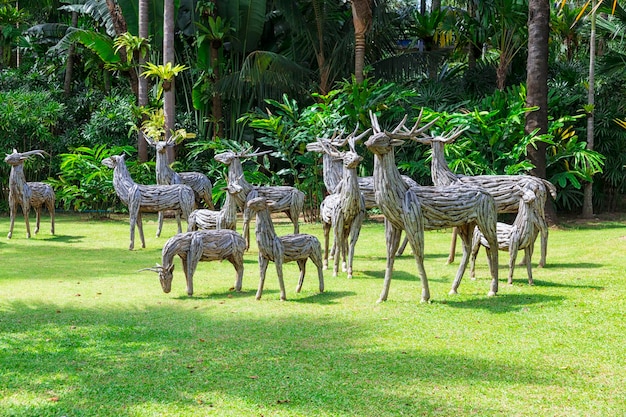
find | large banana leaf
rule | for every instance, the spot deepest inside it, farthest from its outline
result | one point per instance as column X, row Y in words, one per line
column 97, row 9
column 100, row 44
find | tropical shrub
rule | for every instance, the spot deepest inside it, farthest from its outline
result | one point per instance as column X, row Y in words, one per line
column 85, row 185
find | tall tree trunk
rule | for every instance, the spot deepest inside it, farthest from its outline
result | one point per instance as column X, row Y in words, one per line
column 217, row 98
column 537, row 86
column 435, row 5
column 169, row 98
column 69, row 66
column 588, row 188
column 362, row 20
column 142, row 96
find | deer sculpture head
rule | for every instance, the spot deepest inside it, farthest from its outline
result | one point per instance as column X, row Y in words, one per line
column 351, row 158
column 383, row 141
column 16, row 158
column 227, row 157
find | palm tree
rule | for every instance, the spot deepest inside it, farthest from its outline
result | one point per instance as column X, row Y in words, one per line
column 142, row 94
column 169, row 98
column 537, row 86
column 362, row 20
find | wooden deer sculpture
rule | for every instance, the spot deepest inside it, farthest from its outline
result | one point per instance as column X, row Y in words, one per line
column 148, row 198
column 415, row 209
column 332, row 169
column 297, row 247
column 165, row 175
column 513, row 237
column 27, row 194
column 344, row 211
column 199, row 246
column 226, row 218
column 501, row 187
column 288, row 200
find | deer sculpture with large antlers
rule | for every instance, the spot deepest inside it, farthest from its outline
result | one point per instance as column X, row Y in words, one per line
column 194, row 247
column 27, row 194
column 165, row 175
column 297, row 247
column 148, row 198
column 344, row 210
column 415, row 209
column 501, row 187
column 288, row 200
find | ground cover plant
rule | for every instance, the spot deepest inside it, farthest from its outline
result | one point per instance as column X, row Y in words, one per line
column 82, row 333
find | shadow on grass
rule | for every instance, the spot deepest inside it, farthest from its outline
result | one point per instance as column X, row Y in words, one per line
column 503, row 303
column 59, row 360
column 65, row 238
column 563, row 265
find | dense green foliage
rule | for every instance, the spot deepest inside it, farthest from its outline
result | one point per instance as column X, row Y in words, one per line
column 294, row 59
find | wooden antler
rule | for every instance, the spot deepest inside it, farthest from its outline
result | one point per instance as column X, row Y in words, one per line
column 27, row 154
column 402, row 132
column 445, row 139
column 245, row 153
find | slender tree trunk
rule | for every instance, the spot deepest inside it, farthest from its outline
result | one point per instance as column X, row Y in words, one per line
column 169, row 108
column 537, row 86
column 142, row 97
column 588, row 188
column 362, row 20
column 217, row 98
column 69, row 66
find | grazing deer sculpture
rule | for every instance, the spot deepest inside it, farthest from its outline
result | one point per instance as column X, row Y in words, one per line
column 226, row 218
column 501, row 187
column 288, row 200
column 297, row 247
column 415, row 209
column 27, row 194
column 165, row 175
column 344, row 211
column 148, row 198
column 194, row 247
column 513, row 237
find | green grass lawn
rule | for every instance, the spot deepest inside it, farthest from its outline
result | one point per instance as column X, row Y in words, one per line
column 82, row 333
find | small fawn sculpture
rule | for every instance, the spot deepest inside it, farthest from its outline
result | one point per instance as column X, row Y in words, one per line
column 414, row 209
column 344, row 211
column 200, row 246
column 147, row 198
column 165, row 175
column 288, row 200
column 226, row 218
column 27, row 194
column 513, row 237
column 297, row 247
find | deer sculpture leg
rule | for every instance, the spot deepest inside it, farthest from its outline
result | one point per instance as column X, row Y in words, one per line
column 355, row 230
column 466, row 238
column 302, row 267
column 316, row 258
column 513, row 249
column 50, row 207
column 37, row 219
column 194, row 256
column 452, row 247
column 392, row 235
column 263, row 263
column 281, row 282
column 237, row 262
column 543, row 230
column 474, row 252
column 528, row 254
column 14, row 207
column 326, row 228
column 159, row 224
